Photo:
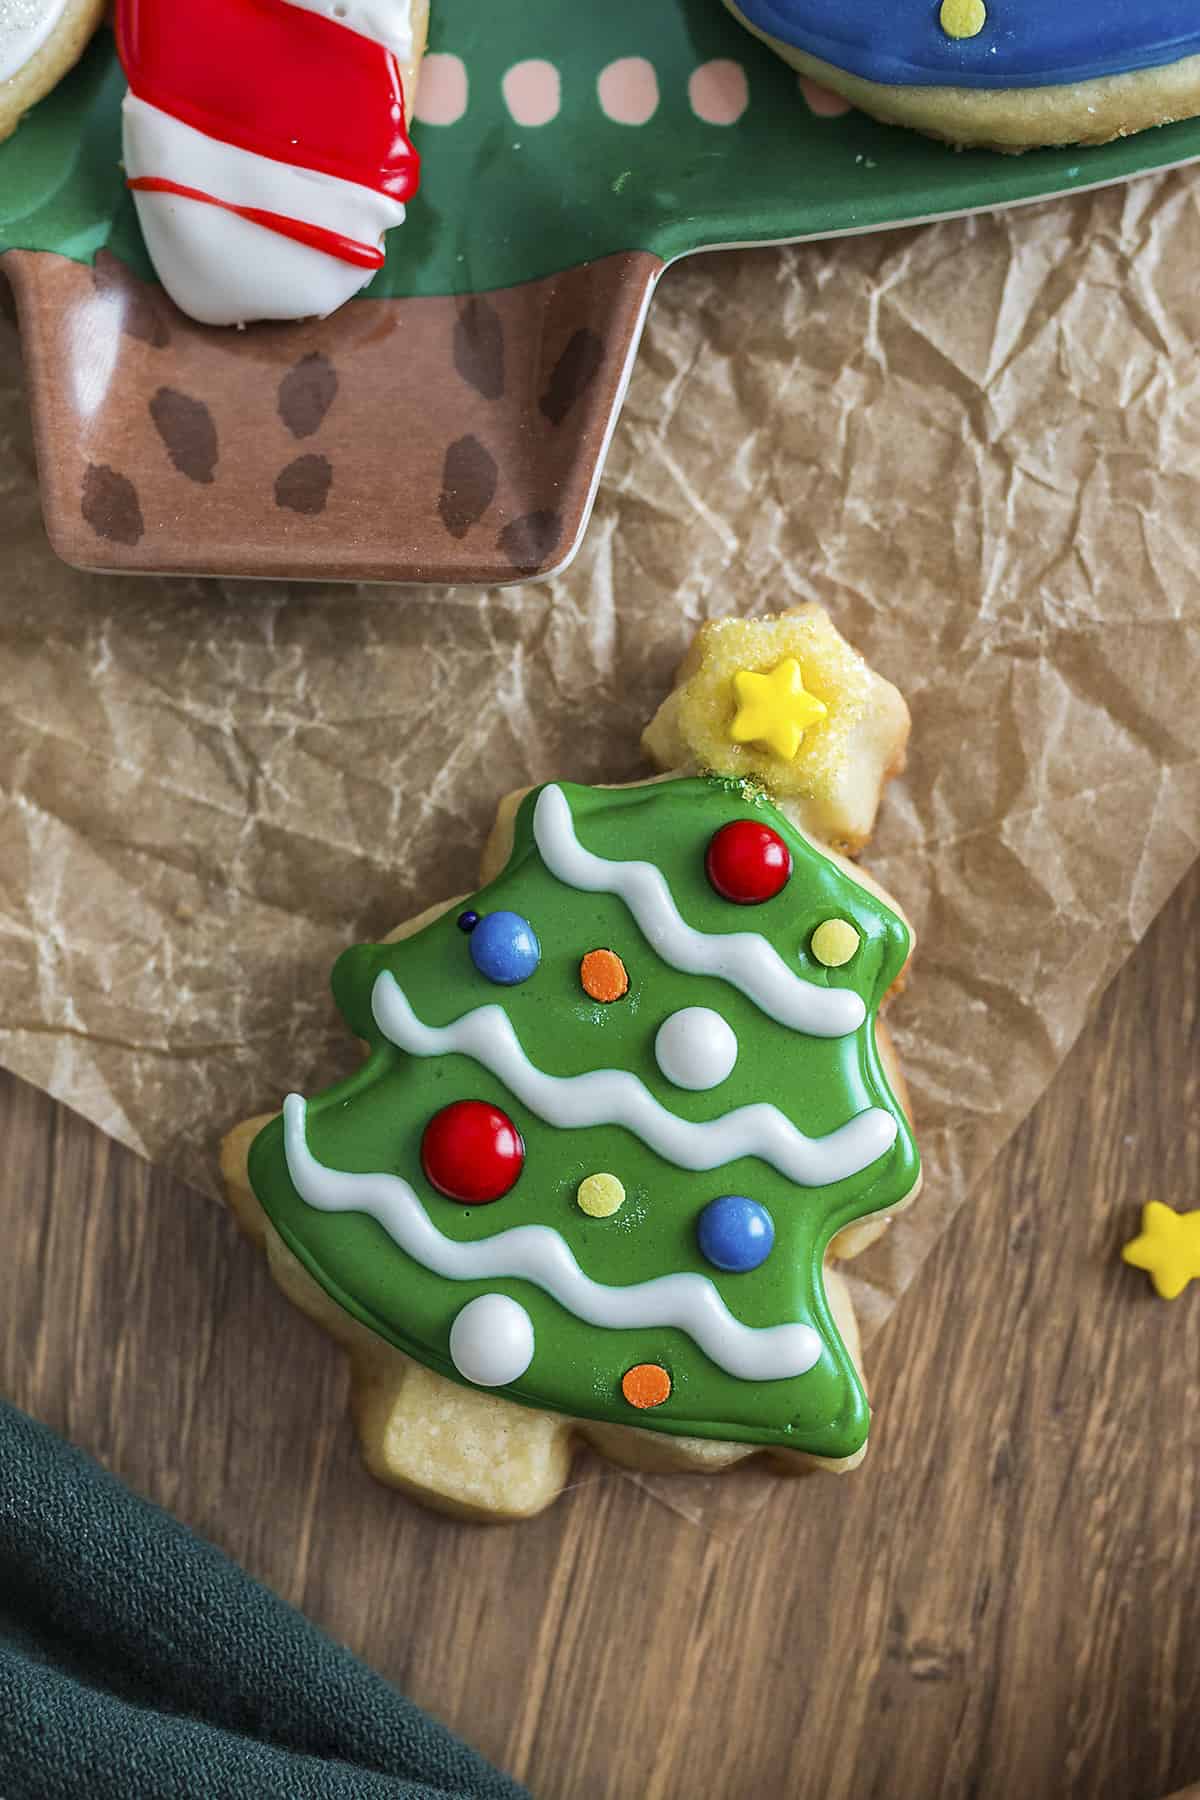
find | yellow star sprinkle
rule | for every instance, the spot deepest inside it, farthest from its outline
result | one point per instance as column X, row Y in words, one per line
column 775, row 709
column 1168, row 1248
column 963, row 18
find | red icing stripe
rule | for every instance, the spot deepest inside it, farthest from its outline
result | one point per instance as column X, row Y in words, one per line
column 317, row 237
column 274, row 79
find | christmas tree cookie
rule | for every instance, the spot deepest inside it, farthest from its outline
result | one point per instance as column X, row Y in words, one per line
column 619, row 1111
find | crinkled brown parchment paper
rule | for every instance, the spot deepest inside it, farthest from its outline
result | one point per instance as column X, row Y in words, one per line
column 977, row 443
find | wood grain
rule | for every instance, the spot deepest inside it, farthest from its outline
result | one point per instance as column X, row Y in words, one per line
column 1002, row 1601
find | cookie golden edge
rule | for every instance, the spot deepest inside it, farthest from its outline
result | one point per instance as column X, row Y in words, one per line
column 1013, row 119
column 49, row 62
column 410, row 71
column 476, row 1455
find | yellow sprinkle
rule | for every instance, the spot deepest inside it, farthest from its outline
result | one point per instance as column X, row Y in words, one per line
column 775, row 709
column 1168, row 1248
column 600, row 1196
column 963, row 18
column 834, row 942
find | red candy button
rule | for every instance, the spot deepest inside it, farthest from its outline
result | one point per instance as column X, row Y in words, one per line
column 472, row 1152
column 747, row 862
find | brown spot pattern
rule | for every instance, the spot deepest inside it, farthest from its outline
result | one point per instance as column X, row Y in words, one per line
column 110, row 505
column 306, row 394
column 187, row 430
column 304, row 485
column 529, row 543
column 436, row 420
column 479, row 348
column 469, row 478
column 572, row 374
column 142, row 315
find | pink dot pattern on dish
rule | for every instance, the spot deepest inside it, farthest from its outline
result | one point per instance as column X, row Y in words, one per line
column 719, row 92
column 533, row 92
column 628, row 91
column 821, row 101
column 441, row 90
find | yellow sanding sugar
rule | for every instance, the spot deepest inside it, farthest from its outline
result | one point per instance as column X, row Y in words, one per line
column 835, row 673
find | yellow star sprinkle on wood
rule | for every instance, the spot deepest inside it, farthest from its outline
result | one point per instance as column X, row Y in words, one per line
column 963, row 18
column 1168, row 1248
column 775, row 709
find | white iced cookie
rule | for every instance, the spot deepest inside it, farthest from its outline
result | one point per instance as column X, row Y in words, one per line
column 268, row 196
column 39, row 41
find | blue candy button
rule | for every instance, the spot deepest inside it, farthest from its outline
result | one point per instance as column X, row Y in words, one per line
column 504, row 947
column 735, row 1234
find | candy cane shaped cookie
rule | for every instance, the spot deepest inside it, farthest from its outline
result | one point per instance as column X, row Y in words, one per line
column 266, row 146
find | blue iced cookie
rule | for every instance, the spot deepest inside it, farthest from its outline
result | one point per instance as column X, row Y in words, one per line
column 1011, row 74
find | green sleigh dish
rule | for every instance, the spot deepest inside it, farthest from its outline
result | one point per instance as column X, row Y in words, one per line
column 569, row 154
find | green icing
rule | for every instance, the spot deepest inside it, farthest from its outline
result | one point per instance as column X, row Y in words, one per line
column 502, row 203
column 374, row 1122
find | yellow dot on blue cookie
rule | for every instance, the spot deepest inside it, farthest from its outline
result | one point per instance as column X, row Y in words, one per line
column 963, row 18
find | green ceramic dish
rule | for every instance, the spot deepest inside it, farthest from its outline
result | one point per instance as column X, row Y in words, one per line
column 664, row 130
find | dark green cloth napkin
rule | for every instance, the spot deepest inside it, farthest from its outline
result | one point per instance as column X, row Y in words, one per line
column 136, row 1662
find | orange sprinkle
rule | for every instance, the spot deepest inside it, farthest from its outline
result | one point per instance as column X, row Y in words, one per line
column 646, row 1384
column 603, row 975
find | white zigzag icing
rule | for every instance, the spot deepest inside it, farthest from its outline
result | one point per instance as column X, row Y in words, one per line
column 618, row 1097
column 743, row 958
column 536, row 1253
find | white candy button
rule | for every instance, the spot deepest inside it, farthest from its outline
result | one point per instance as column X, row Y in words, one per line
column 696, row 1048
column 491, row 1341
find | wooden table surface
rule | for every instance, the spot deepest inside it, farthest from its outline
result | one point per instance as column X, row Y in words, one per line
column 1003, row 1601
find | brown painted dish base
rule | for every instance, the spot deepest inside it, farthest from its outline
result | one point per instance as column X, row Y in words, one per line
column 418, row 440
